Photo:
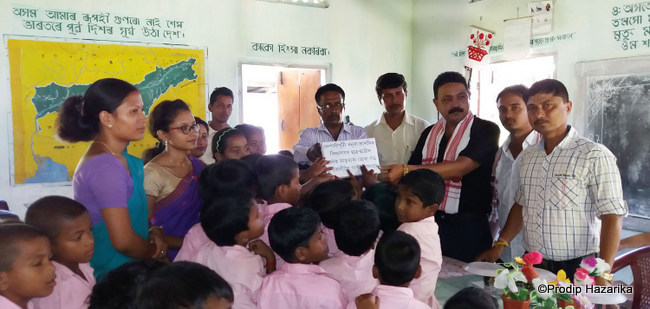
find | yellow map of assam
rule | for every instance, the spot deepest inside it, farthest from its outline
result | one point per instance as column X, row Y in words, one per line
column 44, row 74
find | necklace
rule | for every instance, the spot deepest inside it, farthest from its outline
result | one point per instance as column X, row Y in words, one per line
column 109, row 148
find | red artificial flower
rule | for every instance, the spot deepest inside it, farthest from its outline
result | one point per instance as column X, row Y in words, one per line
column 471, row 36
column 533, row 257
column 487, row 43
column 489, row 35
column 480, row 36
column 529, row 271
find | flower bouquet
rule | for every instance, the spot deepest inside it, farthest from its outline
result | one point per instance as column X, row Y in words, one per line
column 522, row 285
column 589, row 269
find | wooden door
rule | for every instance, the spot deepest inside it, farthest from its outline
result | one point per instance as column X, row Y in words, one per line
column 296, row 105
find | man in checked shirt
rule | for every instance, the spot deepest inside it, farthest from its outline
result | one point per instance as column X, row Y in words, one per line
column 569, row 202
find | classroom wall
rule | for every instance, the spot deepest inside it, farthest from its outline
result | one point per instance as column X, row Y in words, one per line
column 365, row 39
column 441, row 27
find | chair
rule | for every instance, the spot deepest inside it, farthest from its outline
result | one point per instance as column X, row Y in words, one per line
column 639, row 262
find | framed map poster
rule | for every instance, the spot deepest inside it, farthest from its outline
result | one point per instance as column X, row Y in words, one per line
column 43, row 74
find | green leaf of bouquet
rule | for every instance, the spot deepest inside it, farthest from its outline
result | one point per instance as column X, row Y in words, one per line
column 566, row 297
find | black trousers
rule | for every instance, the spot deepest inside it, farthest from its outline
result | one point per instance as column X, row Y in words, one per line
column 463, row 236
column 569, row 266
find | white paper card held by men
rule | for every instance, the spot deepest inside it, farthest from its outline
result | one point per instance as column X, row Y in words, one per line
column 350, row 155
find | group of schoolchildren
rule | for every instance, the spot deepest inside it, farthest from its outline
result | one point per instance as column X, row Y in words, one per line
column 252, row 249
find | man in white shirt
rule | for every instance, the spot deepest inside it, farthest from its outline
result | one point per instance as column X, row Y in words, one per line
column 396, row 131
column 220, row 107
column 514, row 118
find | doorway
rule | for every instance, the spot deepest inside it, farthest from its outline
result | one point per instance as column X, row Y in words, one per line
column 280, row 99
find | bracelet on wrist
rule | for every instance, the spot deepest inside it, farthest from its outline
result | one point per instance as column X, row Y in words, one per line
column 151, row 228
column 270, row 264
column 501, row 242
column 607, row 276
column 405, row 169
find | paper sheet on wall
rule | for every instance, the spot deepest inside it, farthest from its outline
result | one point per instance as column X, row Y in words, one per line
column 344, row 155
column 542, row 13
column 516, row 38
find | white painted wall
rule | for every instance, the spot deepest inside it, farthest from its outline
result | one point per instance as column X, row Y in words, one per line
column 366, row 39
column 442, row 26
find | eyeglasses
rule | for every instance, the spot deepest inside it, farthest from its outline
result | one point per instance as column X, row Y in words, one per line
column 187, row 129
column 328, row 106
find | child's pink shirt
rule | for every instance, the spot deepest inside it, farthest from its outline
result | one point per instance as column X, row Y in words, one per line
column 331, row 240
column 353, row 272
column 71, row 290
column 395, row 297
column 7, row 304
column 301, row 286
column 196, row 238
column 242, row 269
column 193, row 241
column 425, row 232
column 268, row 211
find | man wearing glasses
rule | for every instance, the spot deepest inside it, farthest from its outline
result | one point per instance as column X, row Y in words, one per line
column 330, row 101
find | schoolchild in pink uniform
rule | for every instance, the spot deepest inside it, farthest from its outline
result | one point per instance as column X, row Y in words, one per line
column 397, row 262
column 279, row 185
column 216, row 179
column 25, row 268
column 326, row 199
column 67, row 224
column 419, row 194
column 185, row 285
column 233, row 223
column 357, row 227
column 296, row 235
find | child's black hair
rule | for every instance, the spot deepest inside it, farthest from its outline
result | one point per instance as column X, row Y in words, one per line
column 328, row 197
column 357, row 227
column 48, row 212
column 225, row 176
column 251, row 159
column 182, row 285
column 119, row 287
column 291, row 228
column 383, row 196
column 225, row 216
column 10, row 235
column 397, row 258
column 273, row 171
column 220, row 139
column 471, row 298
column 426, row 184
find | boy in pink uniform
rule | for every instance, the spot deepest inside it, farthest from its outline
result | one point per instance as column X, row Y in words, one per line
column 233, row 223
column 67, row 224
column 279, row 185
column 397, row 262
column 215, row 180
column 357, row 227
column 419, row 194
column 296, row 235
column 25, row 268
column 326, row 199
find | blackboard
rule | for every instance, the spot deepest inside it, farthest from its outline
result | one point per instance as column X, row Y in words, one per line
column 617, row 115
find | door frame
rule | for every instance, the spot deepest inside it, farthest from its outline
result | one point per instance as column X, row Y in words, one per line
column 290, row 64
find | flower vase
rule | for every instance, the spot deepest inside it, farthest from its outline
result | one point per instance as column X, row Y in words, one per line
column 514, row 304
column 561, row 303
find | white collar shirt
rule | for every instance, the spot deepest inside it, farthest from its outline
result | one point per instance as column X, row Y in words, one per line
column 396, row 146
column 506, row 185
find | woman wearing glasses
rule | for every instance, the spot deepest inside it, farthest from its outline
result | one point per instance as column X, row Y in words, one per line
column 171, row 176
column 108, row 181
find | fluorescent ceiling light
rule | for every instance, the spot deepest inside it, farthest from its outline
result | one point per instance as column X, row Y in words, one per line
column 312, row 3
